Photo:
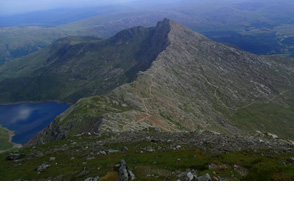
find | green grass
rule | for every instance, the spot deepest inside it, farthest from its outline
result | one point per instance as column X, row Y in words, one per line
column 77, row 67
column 164, row 164
column 4, row 139
column 17, row 42
column 268, row 117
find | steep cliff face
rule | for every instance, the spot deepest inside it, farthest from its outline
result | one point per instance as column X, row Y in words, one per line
column 194, row 84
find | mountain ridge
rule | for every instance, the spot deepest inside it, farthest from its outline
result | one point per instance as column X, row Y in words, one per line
column 68, row 69
column 195, row 84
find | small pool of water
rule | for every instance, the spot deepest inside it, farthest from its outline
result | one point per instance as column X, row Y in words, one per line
column 27, row 119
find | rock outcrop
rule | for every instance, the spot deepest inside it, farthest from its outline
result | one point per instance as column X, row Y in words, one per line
column 124, row 173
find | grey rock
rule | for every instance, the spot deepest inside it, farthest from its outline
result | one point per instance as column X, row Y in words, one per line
column 241, row 170
column 205, row 177
column 222, row 179
column 124, row 173
column 43, row 167
column 16, row 151
column 111, row 151
column 102, row 152
column 259, row 133
column 82, row 173
column 96, row 178
column 149, row 149
column 39, row 154
column 92, row 178
column 124, row 149
column 132, row 175
column 260, row 141
column 157, row 129
column 89, row 179
column 191, row 177
column 123, row 162
column 13, row 156
column 90, row 158
column 274, row 136
column 177, row 147
column 52, row 159
column 291, row 159
column 291, row 142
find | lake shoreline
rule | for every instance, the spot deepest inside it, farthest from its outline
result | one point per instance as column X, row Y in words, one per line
column 28, row 118
column 36, row 102
column 14, row 145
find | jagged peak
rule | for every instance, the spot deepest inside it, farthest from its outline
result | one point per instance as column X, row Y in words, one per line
column 177, row 31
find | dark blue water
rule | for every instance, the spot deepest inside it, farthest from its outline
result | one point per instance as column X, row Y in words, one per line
column 27, row 119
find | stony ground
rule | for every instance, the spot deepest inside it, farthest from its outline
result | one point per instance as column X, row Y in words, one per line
column 153, row 155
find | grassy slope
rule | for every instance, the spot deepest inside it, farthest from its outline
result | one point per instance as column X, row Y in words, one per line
column 268, row 117
column 5, row 139
column 77, row 67
column 17, row 42
column 163, row 164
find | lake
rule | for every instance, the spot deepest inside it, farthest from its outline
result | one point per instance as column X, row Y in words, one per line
column 27, row 119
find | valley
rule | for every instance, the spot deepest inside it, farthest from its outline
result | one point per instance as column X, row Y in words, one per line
column 157, row 101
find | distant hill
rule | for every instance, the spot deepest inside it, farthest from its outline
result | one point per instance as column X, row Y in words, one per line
column 76, row 67
column 264, row 27
column 54, row 17
column 193, row 84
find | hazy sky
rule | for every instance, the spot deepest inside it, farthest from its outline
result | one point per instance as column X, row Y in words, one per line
column 23, row 6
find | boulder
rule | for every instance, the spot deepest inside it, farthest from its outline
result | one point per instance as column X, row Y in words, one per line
column 149, row 149
column 124, row 149
column 241, row 170
column 43, row 167
column 90, row 158
column 177, row 147
column 132, row 175
column 102, row 152
column 82, row 173
column 215, row 178
column 259, row 133
column 124, row 173
column 205, row 177
column 291, row 142
column 92, row 178
column 52, row 159
column 14, row 156
column 111, row 151
column 274, row 136
column 191, row 177
column 291, row 159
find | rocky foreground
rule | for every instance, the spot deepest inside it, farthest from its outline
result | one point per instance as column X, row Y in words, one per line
column 153, row 155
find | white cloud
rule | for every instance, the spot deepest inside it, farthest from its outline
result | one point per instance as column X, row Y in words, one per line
column 21, row 113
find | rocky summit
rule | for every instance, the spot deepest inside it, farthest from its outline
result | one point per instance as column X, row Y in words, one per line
column 180, row 107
